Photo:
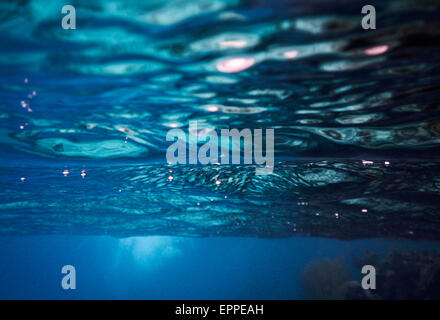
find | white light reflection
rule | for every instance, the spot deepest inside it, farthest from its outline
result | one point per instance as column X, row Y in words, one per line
column 148, row 249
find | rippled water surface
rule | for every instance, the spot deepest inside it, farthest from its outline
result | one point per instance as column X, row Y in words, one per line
column 84, row 114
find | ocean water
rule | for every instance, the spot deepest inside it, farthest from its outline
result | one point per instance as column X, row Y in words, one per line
column 84, row 115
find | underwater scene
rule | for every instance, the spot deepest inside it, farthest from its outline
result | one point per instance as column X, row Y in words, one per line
column 220, row 149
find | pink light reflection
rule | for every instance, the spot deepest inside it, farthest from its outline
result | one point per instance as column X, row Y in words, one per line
column 234, row 43
column 234, row 65
column 290, row 54
column 173, row 125
column 374, row 51
column 212, row 108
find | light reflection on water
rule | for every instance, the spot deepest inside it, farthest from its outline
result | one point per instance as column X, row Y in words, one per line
column 96, row 103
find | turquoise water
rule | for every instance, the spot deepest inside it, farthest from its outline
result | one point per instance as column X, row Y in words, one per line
column 84, row 115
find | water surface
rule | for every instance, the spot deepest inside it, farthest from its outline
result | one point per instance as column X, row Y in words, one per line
column 84, row 114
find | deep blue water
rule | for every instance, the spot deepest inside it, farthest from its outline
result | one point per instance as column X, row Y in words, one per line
column 84, row 179
column 172, row 267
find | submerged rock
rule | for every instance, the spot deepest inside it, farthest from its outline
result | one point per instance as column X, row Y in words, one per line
column 325, row 280
column 402, row 275
column 408, row 275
